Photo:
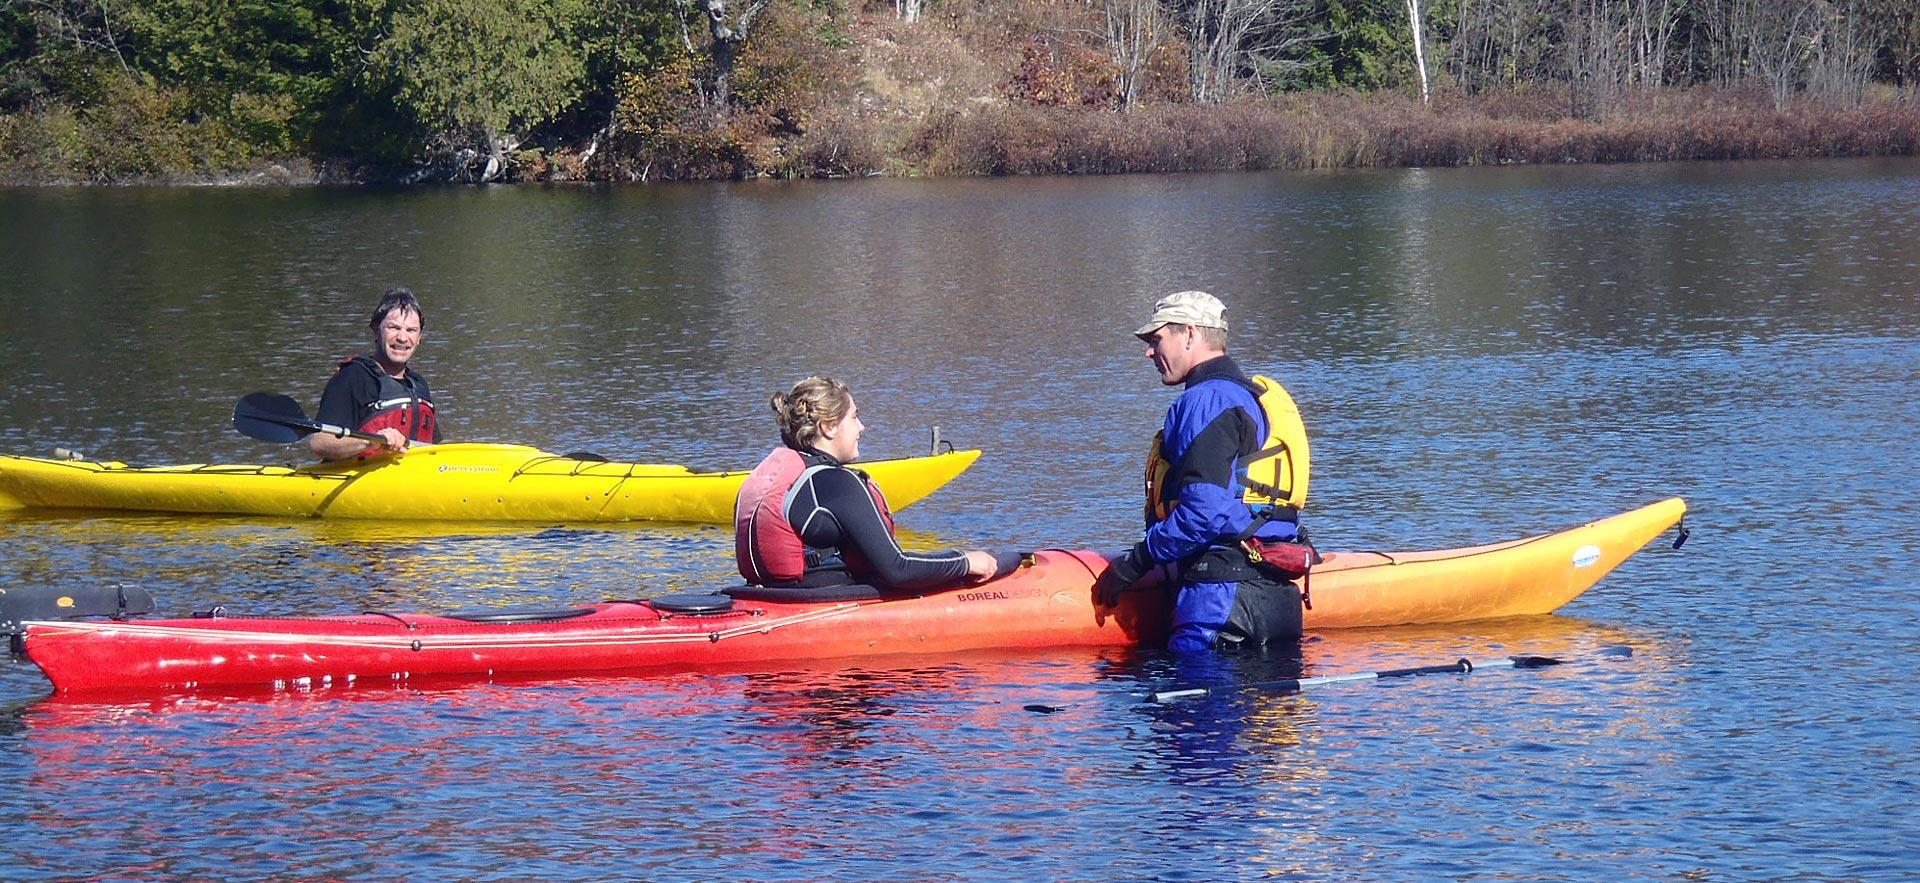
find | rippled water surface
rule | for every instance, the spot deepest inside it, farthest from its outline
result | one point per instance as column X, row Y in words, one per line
column 1480, row 354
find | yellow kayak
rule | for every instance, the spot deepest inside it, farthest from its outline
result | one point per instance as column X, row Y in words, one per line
column 450, row 482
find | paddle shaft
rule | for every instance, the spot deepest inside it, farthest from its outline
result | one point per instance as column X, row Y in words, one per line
column 278, row 418
column 343, row 432
column 1295, row 685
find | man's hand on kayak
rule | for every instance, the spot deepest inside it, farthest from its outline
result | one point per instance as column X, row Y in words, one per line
column 392, row 440
column 1123, row 570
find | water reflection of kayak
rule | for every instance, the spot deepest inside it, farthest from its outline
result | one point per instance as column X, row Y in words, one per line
column 1047, row 604
column 459, row 482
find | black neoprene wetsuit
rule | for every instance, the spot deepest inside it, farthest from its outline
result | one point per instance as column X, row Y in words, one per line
column 835, row 516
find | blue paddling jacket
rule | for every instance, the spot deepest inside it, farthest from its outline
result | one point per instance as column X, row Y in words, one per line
column 1210, row 432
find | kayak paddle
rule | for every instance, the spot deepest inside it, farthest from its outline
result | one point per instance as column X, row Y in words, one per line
column 276, row 418
column 1295, row 685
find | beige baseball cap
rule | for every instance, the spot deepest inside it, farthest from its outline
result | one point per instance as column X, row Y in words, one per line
column 1186, row 308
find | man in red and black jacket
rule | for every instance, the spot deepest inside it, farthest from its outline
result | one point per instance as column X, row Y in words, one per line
column 380, row 394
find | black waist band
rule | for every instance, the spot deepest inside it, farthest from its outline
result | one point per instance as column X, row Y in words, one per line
column 1219, row 564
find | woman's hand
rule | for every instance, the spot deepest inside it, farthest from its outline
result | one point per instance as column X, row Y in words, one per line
column 983, row 565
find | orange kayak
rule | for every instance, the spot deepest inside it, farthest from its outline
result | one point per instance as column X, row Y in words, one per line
column 1047, row 604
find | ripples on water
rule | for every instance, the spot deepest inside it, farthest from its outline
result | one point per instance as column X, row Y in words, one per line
column 1481, row 354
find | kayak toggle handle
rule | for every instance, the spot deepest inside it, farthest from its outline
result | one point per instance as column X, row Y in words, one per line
column 1681, row 533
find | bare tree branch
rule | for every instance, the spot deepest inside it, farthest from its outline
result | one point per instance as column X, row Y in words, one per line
column 68, row 24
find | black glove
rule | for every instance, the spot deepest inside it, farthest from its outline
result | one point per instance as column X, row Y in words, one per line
column 1122, row 572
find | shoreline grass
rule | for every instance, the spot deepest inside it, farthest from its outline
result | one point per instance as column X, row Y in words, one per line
column 1321, row 130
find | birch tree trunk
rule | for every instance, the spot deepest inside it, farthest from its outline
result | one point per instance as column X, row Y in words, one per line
column 727, row 40
column 1135, row 29
column 1419, row 50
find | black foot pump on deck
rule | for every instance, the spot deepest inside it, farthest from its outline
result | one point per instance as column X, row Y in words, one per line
column 22, row 604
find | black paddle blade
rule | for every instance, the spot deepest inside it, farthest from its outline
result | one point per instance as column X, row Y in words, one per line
column 266, row 416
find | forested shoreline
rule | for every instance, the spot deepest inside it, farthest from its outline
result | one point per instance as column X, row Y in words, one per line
column 297, row 91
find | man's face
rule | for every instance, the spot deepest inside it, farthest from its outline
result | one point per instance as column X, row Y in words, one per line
column 396, row 337
column 1171, row 349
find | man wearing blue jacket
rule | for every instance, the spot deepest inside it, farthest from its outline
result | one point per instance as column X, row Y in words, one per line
column 1197, row 509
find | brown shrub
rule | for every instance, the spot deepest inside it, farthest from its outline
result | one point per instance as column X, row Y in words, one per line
column 1059, row 73
column 43, row 145
column 663, row 130
column 788, row 117
column 795, row 64
column 1330, row 130
column 1028, row 139
column 836, row 145
column 137, row 131
column 911, row 71
column 561, row 165
column 997, row 30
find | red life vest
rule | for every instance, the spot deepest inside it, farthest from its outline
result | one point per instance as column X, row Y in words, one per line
column 766, row 546
column 398, row 405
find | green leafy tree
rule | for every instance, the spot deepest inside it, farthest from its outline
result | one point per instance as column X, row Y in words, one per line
column 261, row 65
column 359, row 117
column 622, row 39
column 1344, row 44
column 486, row 72
column 263, row 77
column 19, row 79
column 1369, row 44
column 63, row 50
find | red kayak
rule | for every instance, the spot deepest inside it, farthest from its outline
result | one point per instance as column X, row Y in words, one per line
column 1046, row 604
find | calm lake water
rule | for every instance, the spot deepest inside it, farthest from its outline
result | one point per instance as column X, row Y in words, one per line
column 1481, row 355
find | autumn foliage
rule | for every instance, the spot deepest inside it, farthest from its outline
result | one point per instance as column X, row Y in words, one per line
column 614, row 90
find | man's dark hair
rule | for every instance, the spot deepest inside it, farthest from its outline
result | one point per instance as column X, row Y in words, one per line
column 399, row 298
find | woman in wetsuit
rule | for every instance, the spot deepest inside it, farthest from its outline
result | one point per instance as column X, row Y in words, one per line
column 804, row 518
